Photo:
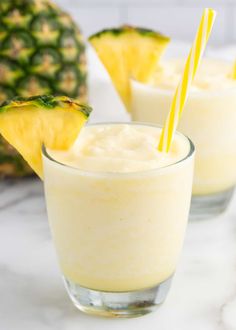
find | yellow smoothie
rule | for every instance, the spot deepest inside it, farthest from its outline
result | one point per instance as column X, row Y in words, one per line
column 209, row 118
column 117, row 207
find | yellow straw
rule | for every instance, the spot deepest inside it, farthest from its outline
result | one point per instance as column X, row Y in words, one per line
column 190, row 69
column 234, row 71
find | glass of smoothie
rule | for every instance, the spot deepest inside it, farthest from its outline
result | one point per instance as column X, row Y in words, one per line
column 118, row 210
column 209, row 119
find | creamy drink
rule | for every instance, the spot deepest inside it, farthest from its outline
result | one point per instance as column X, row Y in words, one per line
column 118, row 209
column 209, row 119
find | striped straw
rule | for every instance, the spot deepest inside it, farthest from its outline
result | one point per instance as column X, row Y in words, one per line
column 234, row 70
column 190, row 70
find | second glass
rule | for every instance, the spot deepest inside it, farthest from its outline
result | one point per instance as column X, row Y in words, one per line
column 209, row 120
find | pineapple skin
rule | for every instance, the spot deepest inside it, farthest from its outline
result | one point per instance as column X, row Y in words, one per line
column 117, row 31
column 42, row 51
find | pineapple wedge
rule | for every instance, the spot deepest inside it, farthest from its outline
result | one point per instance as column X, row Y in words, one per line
column 27, row 124
column 129, row 52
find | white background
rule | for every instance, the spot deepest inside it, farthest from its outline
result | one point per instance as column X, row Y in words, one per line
column 177, row 18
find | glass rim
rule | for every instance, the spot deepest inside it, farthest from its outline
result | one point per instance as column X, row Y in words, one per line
column 123, row 174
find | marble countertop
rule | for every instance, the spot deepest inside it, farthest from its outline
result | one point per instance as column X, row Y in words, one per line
column 32, row 295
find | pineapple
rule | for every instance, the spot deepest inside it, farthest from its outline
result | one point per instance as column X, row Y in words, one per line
column 27, row 124
column 41, row 52
column 129, row 52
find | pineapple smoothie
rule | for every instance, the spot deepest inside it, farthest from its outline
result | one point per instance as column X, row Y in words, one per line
column 209, row 118
column 114, row 204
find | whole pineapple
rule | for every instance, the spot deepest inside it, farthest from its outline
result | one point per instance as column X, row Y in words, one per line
column 41, row 52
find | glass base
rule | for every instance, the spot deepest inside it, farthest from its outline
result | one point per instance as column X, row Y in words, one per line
column 209, row 206
column 118, row 304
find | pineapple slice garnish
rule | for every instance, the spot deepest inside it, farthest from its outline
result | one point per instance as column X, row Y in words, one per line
column 129, row 52
column 27, row 124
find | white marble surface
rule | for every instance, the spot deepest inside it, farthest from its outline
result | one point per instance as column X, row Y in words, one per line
column 32, row 296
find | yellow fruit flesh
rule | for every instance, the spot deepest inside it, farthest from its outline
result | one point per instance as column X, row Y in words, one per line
column 128, row 55
column 28, row 128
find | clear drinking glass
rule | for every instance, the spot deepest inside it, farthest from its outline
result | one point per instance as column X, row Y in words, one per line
column 118, row 236
column 209, row 120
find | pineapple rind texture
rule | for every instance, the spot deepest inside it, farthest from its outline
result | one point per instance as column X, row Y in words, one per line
column 127, row 29
column 41, row 52
column 46, row 102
